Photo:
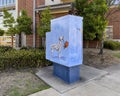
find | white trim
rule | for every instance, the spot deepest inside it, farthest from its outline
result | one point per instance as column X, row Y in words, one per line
column 16, row 8
column 57, row 6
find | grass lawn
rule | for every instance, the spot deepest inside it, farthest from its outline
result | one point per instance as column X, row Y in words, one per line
column 29, row 88
column 117, row 54
column 92, row 58
column 20, row 83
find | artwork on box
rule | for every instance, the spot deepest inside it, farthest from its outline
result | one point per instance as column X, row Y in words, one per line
column 64, row 41
column 64, row 47
column 61, row 44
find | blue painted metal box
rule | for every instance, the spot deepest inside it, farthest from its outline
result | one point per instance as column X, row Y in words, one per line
column 64, row 46
column 68, row 74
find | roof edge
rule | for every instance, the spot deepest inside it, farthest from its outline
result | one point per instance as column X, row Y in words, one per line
column 56, row 6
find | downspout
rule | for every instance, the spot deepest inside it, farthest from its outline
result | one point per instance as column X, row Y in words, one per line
column 34, row 25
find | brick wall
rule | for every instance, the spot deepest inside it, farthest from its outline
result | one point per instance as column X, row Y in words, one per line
column 29, row 40
column 21, row 5
column 91, row 44
column 114, row 20
column 40, row 2
column 28, row 6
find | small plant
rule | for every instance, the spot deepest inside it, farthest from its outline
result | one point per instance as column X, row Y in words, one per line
column 9, row 23
column 44, row 25
column 24, row 23
column 113, row 45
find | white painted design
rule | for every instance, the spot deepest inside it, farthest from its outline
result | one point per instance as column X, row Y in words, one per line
column 57, row 46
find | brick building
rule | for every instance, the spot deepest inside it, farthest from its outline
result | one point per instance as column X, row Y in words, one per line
column 34, row 8
column 58, row 8
column 114, row 22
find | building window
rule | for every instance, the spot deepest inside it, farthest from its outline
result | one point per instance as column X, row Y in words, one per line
column 0, row 2
column 52, row 2
column 6, row 2
column 12, row 1
column 1, row 14
column 109, row 32
column 9, row 1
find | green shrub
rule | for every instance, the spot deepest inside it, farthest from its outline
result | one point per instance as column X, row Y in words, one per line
column 113, row 45
column 5, row 48
column 23, row 58
column 26, row 48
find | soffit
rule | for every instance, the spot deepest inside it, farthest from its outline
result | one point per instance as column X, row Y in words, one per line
column 63, row 7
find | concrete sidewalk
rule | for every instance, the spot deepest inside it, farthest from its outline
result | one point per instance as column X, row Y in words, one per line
column 95, row 83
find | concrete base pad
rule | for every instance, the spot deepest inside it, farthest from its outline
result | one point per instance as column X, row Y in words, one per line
column 87, row 73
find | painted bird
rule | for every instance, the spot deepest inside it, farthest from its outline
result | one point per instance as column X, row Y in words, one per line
column 66, row 44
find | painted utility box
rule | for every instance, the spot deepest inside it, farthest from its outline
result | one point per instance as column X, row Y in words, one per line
column 64, row 47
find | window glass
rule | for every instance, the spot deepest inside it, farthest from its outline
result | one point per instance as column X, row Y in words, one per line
column 0, row 2
column 9, row 1
column 5, row 2
column 13, row 1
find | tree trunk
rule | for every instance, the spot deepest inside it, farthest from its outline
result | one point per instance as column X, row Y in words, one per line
column 23, row 39
column 102, row 44
column 16, row 40
column 97, row 45
column 44, row 42
column 20, row 40
column 12, row 40
column 87, row 44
